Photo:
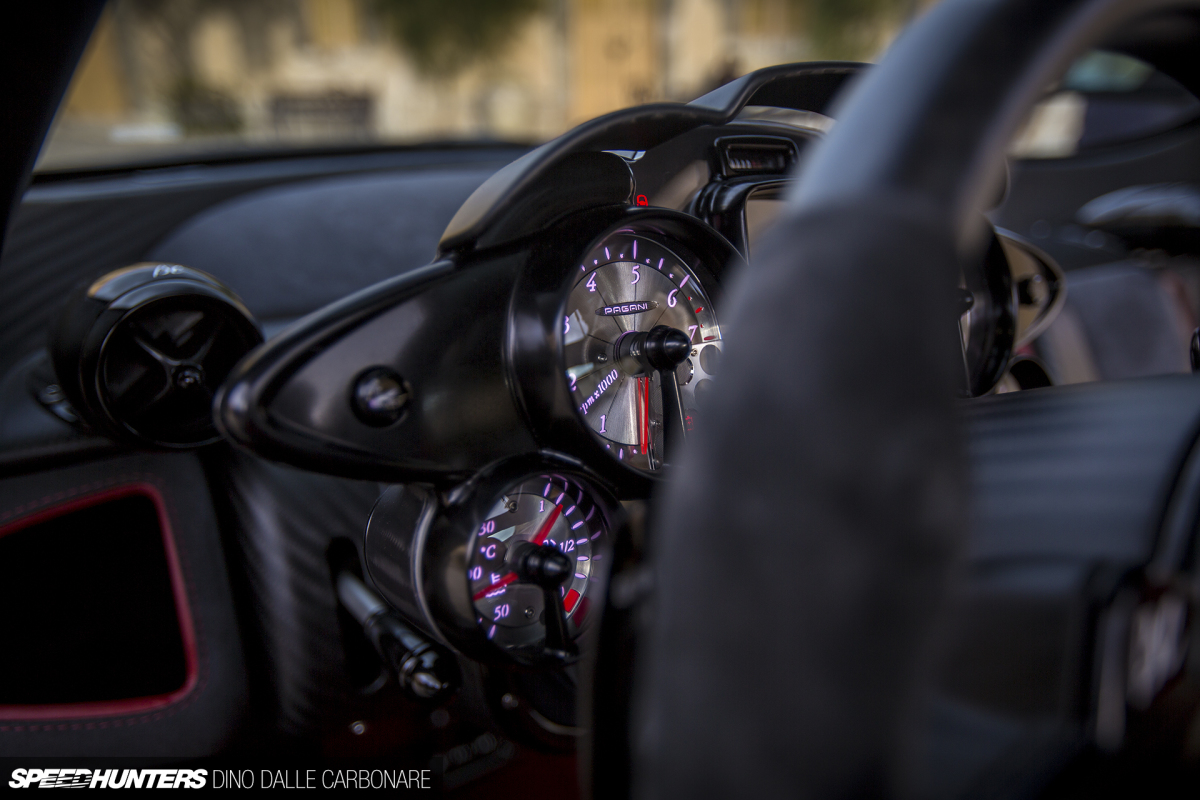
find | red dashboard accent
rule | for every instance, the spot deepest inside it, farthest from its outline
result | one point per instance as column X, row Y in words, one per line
column 132, row 705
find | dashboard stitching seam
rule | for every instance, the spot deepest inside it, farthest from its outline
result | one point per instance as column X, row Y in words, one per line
column 17, row 512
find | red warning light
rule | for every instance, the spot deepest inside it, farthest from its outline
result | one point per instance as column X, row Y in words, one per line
column 642, row 201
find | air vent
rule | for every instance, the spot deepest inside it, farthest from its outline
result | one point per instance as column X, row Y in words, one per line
column 142, row 351
column 756, row 156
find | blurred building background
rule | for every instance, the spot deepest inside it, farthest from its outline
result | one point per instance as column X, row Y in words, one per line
column 169, row 75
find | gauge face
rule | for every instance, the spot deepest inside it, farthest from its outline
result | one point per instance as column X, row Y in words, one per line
column 549, row 509
column 629, row 283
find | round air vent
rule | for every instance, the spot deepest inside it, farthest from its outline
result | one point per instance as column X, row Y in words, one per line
column 141, row 351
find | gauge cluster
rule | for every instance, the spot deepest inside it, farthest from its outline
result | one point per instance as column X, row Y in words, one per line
column 527, row 392
column 628, row 283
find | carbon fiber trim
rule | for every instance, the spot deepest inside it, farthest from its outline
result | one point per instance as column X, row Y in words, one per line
column 280, row 522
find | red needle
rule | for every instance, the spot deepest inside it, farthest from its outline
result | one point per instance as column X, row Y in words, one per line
column 544, row 531
column 500, row 584
column 637, row 382
column 644, row 411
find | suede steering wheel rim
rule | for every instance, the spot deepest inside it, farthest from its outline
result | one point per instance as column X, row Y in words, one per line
column 805, row 545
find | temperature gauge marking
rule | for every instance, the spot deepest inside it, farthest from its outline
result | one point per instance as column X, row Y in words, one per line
column 509, row 610
column 495, row 588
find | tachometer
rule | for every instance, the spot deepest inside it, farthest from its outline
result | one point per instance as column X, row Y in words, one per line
column 631, row 283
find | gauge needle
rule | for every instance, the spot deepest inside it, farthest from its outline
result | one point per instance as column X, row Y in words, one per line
column 643, row 401
column 544, row 531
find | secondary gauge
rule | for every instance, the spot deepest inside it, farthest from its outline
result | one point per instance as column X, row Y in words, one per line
column 628, row 284
column 505, row 568
column 530, row 570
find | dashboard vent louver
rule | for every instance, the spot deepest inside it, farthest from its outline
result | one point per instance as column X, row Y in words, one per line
column 140, row 353
column 756, row 156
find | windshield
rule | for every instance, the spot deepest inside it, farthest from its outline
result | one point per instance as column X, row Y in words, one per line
column 169, row 80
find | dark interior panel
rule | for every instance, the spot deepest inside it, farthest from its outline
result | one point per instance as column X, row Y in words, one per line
column 289, row 250
column 71, row 228
column 88, row 611
column 1045, row 194
column 91, row 596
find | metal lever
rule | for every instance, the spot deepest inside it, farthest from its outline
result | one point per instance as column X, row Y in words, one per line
column 421, row 670
column 662, row 349
column 547, row 568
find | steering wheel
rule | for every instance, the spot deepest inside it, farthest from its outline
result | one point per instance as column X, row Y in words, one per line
column 807, row 545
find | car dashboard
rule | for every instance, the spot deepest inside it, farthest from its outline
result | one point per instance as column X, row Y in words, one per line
column 415, row 430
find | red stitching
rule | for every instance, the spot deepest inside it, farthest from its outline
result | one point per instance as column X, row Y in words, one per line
column 201, row 647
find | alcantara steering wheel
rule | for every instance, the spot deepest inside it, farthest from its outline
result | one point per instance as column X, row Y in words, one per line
column 806, row 543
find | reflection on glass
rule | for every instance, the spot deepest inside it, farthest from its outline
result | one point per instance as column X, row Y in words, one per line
column 1105, row 98
column 183, row 77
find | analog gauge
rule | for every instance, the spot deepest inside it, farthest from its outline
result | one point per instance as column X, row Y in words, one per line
column 629, row 284
column 511, row 604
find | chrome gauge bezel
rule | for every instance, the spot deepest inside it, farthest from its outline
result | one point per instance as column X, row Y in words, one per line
column 656, row 285
column 534, row 346
column 454, row 532
column 564, row 510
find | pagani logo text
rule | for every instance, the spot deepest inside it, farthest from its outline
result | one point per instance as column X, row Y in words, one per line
column 109, row 778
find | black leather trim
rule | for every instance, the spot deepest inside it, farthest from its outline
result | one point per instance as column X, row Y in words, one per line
column 803, row 547
column 1078, row 472
column 1075, row 489
column 75, row 229
column 205, row 721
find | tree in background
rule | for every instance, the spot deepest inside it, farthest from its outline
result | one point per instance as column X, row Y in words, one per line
column 852, row 30
column 444, row 36
column 197, row 107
